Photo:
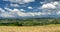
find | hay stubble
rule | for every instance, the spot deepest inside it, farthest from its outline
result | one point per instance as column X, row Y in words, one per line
column 29, row 28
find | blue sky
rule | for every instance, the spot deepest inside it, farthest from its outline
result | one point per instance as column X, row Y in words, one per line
column 29, row 8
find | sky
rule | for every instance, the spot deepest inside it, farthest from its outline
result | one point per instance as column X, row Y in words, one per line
column 29, row 8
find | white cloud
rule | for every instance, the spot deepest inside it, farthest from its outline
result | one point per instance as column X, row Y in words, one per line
column 8, row 9
column 22, row 10
column 19, row 13
column 48, row 1
column 14, row 10
column 14, row 5
column 58, row 13
column 30, row 7
column 55, row 3
column 22, row 14
column 20, row 1
column 51, row 7
column 2, row 10
column 27, row 1
column 48, row 6
column 6, row 15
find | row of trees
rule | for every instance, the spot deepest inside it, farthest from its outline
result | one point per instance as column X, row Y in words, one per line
column 28, row 22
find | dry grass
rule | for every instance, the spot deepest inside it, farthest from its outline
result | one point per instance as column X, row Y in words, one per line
column 29, row 28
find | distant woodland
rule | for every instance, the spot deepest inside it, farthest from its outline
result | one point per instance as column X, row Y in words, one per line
column 28, row 22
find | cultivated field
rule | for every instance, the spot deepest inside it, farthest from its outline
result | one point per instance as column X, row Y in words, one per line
column 49, row 28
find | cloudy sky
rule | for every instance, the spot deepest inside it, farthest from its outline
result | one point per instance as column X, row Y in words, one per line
column 29, row 8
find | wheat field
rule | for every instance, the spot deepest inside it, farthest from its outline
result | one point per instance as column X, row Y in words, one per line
column 29, row 28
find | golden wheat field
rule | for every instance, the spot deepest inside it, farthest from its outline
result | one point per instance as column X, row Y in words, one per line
column 29, row 28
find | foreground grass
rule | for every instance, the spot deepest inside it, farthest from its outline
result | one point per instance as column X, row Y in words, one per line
column 47, row 28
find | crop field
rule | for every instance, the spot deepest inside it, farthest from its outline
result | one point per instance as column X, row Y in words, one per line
column 49, row 28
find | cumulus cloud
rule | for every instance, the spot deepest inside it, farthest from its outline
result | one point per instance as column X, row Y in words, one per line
column 8, row 9
column 23, row 14
column 48, row 6
column 1, row 10
column 48, row 1
column 4, row 14
column 18, row 13
column 30, row 7
column 14, row 5
column 58, row 13
column 51, row 6
column 22, row 10
column 20, row 1
column 55, row 3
